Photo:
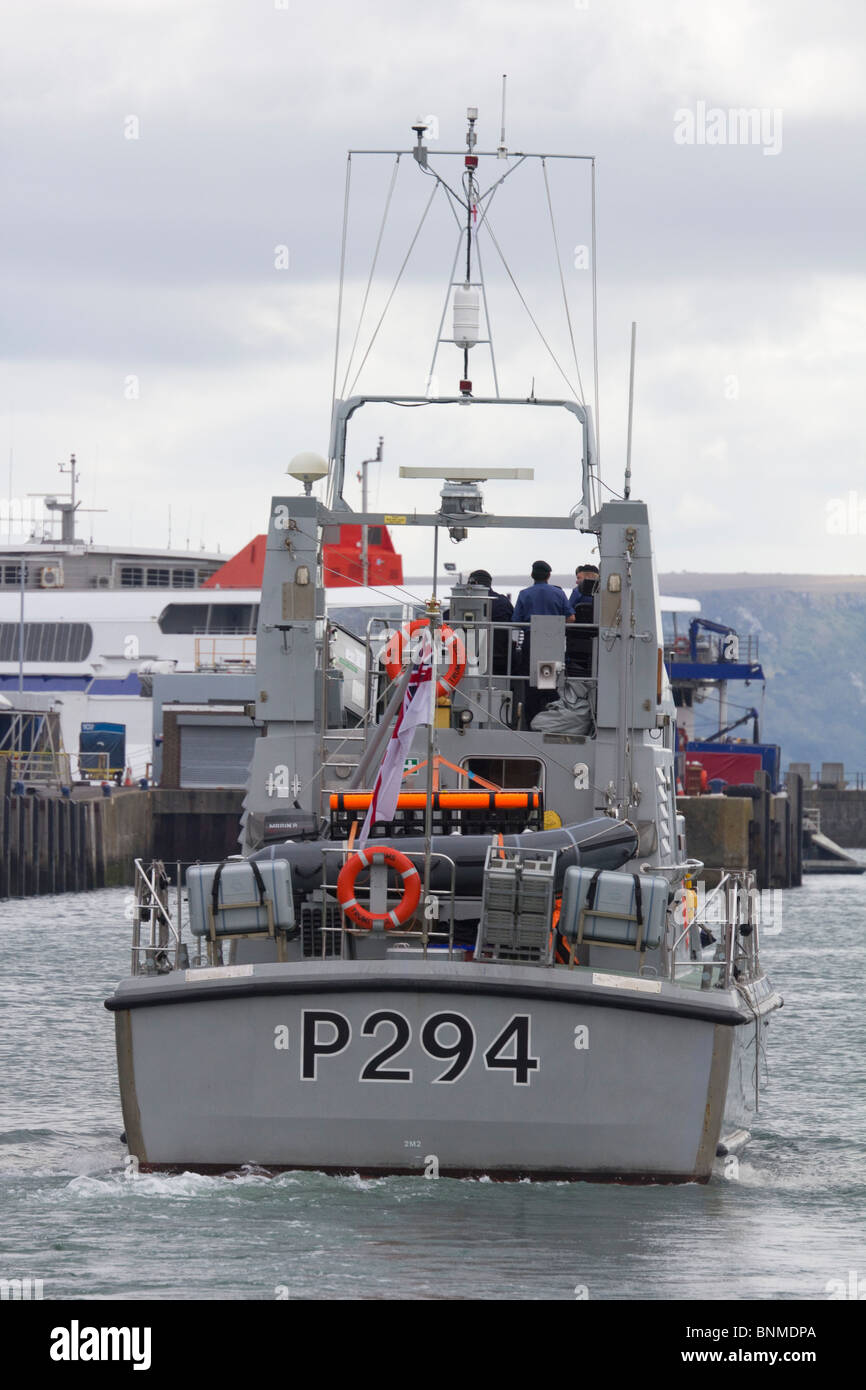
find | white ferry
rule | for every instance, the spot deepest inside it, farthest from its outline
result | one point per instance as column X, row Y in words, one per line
column 84, row 628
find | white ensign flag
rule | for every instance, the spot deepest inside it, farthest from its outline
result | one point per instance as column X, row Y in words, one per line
column 416, row 710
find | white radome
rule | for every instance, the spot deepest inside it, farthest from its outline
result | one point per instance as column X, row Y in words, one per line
column 308, row 467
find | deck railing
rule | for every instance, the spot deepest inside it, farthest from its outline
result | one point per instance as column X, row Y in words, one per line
column 225, row 652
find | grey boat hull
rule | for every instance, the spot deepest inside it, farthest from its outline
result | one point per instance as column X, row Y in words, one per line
column 449, row 1068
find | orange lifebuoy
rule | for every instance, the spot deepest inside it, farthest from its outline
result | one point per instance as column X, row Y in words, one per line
column 452, row 677
column 395, row 860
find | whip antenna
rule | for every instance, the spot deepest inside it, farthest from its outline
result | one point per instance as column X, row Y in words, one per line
column 502, row 152
column 627, row 490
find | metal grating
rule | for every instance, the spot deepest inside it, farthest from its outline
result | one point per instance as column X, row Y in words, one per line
column 517, row 905
column 320, row 930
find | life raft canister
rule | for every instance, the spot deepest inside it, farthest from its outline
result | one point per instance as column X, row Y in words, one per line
column 457, row 655
column 402, row 865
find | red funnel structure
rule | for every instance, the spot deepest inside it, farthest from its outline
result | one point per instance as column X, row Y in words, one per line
column 343, row 562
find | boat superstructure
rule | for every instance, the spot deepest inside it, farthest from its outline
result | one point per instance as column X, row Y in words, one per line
column 84, row 626
column 505, row 973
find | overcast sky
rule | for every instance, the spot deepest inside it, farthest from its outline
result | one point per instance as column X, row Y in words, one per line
column 156, row 153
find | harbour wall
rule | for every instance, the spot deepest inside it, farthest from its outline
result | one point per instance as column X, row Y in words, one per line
column 57, row 844
column 843, row 814
column 189, row 823
column 54, row 844
column 752, row 829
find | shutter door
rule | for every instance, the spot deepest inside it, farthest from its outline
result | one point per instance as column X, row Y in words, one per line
column 215, row 757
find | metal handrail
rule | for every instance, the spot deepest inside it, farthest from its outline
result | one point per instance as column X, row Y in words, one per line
column 145, row 883
column 158, row 915
column 214, row 649
column 734, row 882
column 345, row 850
column 507, row 682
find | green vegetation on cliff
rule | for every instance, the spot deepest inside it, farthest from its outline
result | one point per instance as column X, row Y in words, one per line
column 812, row 646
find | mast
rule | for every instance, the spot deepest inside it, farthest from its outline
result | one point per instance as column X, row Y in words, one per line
column 466, row 301
column 68, row 509
column 627, row 488
column 362, row 476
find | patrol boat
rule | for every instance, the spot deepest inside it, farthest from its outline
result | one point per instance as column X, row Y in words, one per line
column 453, row 944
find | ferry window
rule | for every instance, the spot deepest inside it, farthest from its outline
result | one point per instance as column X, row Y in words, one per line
column 200, row 618
column 158, row 579
column 184, row 579
column 47, row 641
column 509, row 774
column 355, row 620
column 131, row 577
column 184, row 617
column 232, row 617
column 11, row 574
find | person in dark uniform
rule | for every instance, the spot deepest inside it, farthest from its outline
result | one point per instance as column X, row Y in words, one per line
column 541, row 598
column 501, row 610
column 578, row 647
column 578, row 595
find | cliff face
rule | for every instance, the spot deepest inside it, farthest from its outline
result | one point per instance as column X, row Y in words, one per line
column 812, row 646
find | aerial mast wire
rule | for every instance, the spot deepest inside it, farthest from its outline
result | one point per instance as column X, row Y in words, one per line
column 562, row 281
column 372, row 271
column 486, row 311
column 342, row 275
column 595, row 327
column 627, row 489
column 394, row 287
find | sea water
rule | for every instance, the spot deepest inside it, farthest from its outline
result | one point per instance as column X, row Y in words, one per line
column 786, row 1221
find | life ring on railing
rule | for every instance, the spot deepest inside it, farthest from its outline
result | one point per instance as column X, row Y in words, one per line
column 402, row 865
column 451, row 678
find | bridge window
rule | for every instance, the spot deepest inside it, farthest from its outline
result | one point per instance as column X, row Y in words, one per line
column 509, row 774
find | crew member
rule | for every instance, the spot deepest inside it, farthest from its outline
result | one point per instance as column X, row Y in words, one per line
column 541, row 598
column 578, row 647
column 501, row 611
column 579, row 595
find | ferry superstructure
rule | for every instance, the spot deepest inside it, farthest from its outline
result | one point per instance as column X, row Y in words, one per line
column 83, row 625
